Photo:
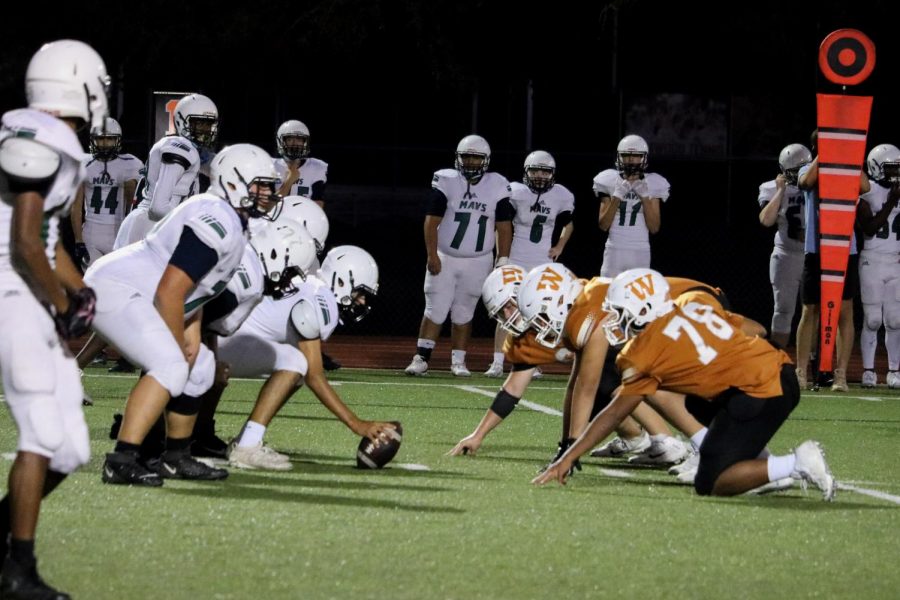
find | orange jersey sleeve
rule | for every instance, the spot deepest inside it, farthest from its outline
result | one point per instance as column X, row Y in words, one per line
column 586, row 314
column 697, row 349
column 525, row 350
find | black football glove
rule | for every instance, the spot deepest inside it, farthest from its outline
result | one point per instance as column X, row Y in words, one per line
column 82, row 256
column 561, row 449
column 77, row 320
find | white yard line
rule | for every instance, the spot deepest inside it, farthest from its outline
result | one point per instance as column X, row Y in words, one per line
column 616, row 473
column 868, row 492
column 532, row 405
column 411, row 467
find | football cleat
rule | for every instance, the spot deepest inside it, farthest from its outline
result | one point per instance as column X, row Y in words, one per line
column 869, row 379
column 690, row 463
column 418, row 366
column 811, row 467
column 121, row 366
column 620, row 446
column 180, row 465
column 19, row 581
column 206, row 443
column 495, row 370
column 120, row 468
column 329, row 364
column 893, row 380
column 460, row 370
column 840, row 381
column 663, row 452
column 778, row 485
column 258, row 457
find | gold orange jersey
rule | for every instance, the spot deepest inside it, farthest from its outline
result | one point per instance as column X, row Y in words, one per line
column 699, row 349
column 525, row 350
column 587, row 312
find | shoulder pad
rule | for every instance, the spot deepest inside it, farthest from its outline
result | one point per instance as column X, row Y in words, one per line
column 178, row 145
column 605, row 181
column 26, row 159
column 305, row 319
column 319, row 163
column 520, row 190
column 657, row 185
column 766, row 191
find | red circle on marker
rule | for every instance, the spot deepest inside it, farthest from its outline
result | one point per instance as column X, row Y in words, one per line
column 847, row 57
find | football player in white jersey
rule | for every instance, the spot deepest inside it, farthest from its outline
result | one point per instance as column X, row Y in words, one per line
column 109, row 187
column 467, row 204
column 879, row 262
column 301, row 174
column 541, row 228
column 43, row 300
column 630, row 200
column 173, row 166
column 151, row 299
column 283, row 337
column 781, row 203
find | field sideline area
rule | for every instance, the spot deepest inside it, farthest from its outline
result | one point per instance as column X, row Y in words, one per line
column 432, row 526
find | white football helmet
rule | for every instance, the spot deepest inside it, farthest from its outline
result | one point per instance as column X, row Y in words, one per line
column 629, row 146
column 540, row 171
column 635, row 298
column 499, row 296
column 106, row 140
column 286, row 251
column 473, row 156
column 883, row 164
column 239, row 167
column 67, row 78
column 545, row 297
column 197, row 119
column 352, row 274
column 292, row 139
column 310, row 215
column 791, row 158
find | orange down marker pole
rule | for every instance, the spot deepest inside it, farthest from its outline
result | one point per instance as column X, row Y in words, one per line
column 846, row 57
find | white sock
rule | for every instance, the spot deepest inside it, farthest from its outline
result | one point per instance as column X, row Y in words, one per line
column 765, row 453
column 498, row 358
column 458, row 357
column 780, row 466
column 697, row 439
column 252, row 435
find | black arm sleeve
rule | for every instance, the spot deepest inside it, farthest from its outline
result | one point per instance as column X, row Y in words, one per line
column 562, row 219
column 193, row 256
column 19, row 185
column 318, row 191
column 521, row 367
column 170, row 158
column 505, row 210
column 218, row 307
column 436, row 203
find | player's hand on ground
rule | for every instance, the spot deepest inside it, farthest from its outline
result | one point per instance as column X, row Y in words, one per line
column 377, row 431
column 558, row 471
column 469, row 445
column 434, row 264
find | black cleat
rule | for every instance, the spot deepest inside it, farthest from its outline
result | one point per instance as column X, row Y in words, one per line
column 180, row 465
column 20, row 582
column 122, row 366
column 125, row 469
column 207, row 444
column 329, row 364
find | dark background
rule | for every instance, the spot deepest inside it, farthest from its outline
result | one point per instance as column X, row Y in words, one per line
column 388, row 88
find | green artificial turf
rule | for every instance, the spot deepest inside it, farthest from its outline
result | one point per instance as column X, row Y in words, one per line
column 470, row 527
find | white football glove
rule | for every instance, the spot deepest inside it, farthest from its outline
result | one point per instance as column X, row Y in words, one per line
column 622, row 188
column 502, row 261
column 640, row 188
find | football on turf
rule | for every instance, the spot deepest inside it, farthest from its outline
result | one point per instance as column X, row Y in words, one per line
column 368, row 456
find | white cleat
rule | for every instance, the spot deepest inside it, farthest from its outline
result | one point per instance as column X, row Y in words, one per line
column 840, row 381
column 620, row 446
column 687, row 476
column 812, row 468
column 690, row 463
column 418, row 366
column 893, row 380
column 459, row 370
column 537, row 373
column 779, row 485
column 495, row 370
column 665, row 452
column 258, row 457
column 869, row 379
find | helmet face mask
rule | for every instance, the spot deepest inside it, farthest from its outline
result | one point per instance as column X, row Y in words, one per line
column 540, row 172
column 498, row 293
column 635, row 298
column 883, row 164
column 286, row 252
column 545, row 298
column 106, row 140
column 197, row 119
column 791, row 158
column 294, row 147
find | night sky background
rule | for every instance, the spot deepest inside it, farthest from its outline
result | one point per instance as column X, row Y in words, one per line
column 388, row 88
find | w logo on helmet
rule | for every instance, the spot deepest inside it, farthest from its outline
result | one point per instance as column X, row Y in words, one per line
column 550, row 280
column 642, row 287
column 511, row 275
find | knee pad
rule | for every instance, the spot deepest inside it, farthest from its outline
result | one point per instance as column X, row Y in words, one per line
column 463, row 309
column 781, row 321
column 892, row 304
column 172, row 376
column 40, row 425
column 289, row 358
column 75, row 451
column 872, row 316
column 184, row 405
column 437, row 307
column 202, row 374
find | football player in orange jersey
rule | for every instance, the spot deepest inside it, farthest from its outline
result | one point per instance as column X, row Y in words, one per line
column 692, row 347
